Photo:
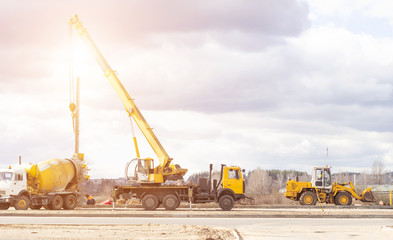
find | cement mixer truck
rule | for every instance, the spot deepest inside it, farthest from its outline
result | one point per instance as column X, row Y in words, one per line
column 53, row 184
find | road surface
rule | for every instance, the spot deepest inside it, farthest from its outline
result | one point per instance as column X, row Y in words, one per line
column 247, row 228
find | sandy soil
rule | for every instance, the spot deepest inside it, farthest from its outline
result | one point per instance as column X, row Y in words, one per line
column 118, row 232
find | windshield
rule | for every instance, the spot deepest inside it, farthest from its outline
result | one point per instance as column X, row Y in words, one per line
column 5, row 176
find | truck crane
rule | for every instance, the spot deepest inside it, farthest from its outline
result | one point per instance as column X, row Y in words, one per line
column 152, row 192
column 165, row 170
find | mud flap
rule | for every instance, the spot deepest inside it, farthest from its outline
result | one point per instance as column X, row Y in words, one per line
column 367, row 196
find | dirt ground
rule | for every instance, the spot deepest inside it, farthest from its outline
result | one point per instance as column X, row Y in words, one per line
column 118, row 232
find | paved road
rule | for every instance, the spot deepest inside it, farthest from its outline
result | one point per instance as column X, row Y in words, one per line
column 248, row 228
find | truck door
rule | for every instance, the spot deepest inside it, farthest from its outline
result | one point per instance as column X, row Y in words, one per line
column 19, row 183
column 233, row 179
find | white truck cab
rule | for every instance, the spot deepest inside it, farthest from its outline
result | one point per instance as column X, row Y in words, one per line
column 12, row 183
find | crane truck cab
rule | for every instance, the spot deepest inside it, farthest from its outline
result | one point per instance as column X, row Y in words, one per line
column 323, row 190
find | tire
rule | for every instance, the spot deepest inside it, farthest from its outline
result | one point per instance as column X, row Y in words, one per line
column 170, row 202
column 69, row 202
column 150, row 202
column 308, row 198
column 23, row 203
column 56, row 203
column 4, row 206
column 226, row 202
column 343, row 198
column 35, row 207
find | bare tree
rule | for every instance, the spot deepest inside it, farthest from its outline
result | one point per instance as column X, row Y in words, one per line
column 378, row 171
column 259, row 182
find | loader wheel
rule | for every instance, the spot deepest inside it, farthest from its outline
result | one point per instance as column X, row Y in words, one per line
column 308, row 198
column 23, row 203
column 69, row 202
column 343, row 198
column 150, row 202
column 4, row 206
column 56, row 204
column 226, row 202
column 170, row 202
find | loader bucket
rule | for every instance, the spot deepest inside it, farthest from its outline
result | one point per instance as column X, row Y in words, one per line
column 367, row 196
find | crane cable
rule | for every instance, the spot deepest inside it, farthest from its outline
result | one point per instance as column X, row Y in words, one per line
column 72, row 105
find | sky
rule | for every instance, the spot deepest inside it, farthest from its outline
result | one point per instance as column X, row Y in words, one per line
column 271, row 84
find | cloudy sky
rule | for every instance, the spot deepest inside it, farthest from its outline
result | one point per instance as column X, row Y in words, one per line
column 268, row 84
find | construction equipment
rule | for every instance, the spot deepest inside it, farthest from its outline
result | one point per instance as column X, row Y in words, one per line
column 165, row 170
column 147, row 179
column 321, row 186
column 230, row 187
column 53, row 184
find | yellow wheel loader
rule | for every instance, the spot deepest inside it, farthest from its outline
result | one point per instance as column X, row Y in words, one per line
column 322, row 189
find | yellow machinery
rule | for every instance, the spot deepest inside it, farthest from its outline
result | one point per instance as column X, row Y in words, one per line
column 322, row 189
column 165, row 170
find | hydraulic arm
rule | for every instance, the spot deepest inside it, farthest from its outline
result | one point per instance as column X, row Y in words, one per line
column 165, row 170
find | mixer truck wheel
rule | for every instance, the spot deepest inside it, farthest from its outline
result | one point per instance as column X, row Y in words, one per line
column 150, row 202
column 57, row 203
column 23, row 203
column 4, row 206
column 69, row 202
column 170, row 202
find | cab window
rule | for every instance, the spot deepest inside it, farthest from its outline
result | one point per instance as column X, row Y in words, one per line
column 318, row 176
column 6, row 176
column 233, row 174
column 327, row 176
column 18, row 177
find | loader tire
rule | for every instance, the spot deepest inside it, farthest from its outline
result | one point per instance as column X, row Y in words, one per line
column 308, row 198
column 4, row 206
column 150, row 202
column 69, row 202
column 226, row 202
column 23, row 203
column 343, row 198
column 170, row 202
column 56, row 204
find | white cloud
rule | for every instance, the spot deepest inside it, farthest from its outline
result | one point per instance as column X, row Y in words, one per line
column 256, row 90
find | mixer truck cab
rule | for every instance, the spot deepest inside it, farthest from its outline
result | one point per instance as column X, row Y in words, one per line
column 13, row 184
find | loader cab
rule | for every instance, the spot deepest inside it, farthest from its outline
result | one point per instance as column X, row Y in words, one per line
column 321, row 178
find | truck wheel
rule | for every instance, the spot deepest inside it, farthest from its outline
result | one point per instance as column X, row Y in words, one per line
column 226, row 202
column 35, row 207
column 4, row 206
column 23, row 203
column 150, row 202
column 56, row 204
column 308, row 198
column 343, row 198
column 170, row 202
column 69, row 202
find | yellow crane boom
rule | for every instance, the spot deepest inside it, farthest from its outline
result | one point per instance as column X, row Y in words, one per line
column 165, row 168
